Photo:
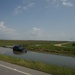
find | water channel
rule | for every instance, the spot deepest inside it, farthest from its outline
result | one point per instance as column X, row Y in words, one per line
column 42, row 57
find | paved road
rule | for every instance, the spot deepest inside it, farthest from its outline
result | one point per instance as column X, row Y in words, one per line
column 12, row 69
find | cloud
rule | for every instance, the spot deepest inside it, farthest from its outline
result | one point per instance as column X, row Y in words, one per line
column 7, row 33
column 59, row 2
column 18, row 10
column 31, row 4
column 35, row 31
column 67, row 3
column 23, row 7
column 38, row 34
column 27, row 5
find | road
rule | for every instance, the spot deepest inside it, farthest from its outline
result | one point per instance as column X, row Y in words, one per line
column 12, row 69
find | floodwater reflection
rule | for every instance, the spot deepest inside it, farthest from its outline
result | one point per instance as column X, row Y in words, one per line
column 41, row 57
column 19, row 52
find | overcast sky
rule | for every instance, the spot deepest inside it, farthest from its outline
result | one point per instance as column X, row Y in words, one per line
column 37, row 19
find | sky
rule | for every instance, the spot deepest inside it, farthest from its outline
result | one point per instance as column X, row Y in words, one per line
column 37, row 20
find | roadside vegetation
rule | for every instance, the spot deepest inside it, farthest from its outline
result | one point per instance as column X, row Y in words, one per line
column 66, row 47
column 51, row 69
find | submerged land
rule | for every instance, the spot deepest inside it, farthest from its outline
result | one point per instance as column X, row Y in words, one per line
column 55, row 47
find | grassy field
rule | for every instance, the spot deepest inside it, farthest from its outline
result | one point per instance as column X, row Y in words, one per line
column 43, row 46
column 51, row 69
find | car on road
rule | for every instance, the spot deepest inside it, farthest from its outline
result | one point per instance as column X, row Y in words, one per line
column 19, row 48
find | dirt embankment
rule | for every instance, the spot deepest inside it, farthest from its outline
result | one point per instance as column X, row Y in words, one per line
column 57, row 44
column 60, row 44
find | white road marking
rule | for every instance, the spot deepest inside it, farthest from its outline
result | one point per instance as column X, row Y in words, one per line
column 14, row 69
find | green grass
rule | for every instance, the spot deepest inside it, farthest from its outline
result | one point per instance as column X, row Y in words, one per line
column 42, row 46
column 51, row 69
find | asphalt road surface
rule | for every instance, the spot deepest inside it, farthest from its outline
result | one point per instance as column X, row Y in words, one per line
column 12, row 69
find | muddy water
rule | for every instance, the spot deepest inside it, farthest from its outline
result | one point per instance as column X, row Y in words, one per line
column 42, row 57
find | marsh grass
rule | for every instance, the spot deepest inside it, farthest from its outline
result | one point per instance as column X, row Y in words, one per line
column 51, row 69
column 42, row 46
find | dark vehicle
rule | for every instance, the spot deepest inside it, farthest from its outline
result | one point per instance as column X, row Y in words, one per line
column 19, row 48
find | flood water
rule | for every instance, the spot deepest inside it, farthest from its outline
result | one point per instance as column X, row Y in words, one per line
column 42, row 57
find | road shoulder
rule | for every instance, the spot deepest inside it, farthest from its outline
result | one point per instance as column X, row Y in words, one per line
column 23, row 69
